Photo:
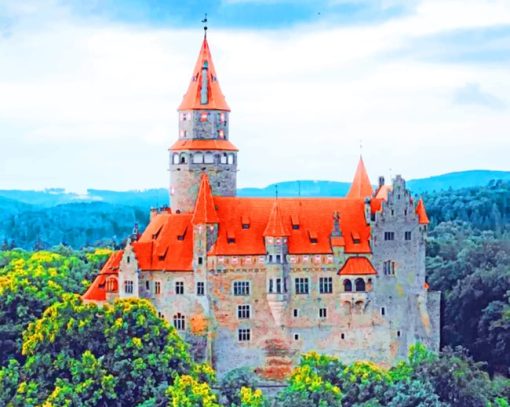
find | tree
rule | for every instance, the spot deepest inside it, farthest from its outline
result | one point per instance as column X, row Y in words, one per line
column 234, row 381
column 120, row 354
column 188, row 392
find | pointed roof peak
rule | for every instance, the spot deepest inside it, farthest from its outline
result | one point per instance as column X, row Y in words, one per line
column 205, row 211
column 361, row 186
column 275, row 226
column 204, row 90
column 423, row 219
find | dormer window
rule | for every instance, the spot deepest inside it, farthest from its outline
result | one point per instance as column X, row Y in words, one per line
column 182, row 234
column 295, row 222
column 231, row 238
column 245, row 222
column 355, row 238
column 313, row 237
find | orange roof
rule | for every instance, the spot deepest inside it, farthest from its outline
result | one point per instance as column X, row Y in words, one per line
column 204, row 207
column 382, row 192
column 423, row 219
column 203, row 145
column 360, row 187
column 314, row 215
column 97, row 290
column 167, row 243
column 355, row 266
column 275, row 226
column 193, row 98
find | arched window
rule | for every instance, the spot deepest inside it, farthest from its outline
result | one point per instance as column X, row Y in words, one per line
column 179, row 322
column 209, row 158
column 198, row 158
column 184, row 158
column 346, row 307
column 175, row 158
column 359, row 306
column 111, row 285
column 360, row 284
column 347, row 285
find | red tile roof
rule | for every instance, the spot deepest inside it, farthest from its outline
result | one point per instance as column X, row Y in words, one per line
column 204, row 213
column 315, row 216
column 215, row 98
column 167, row 243
column 275, row 225
column 423, row 219
column 97, row 290
column 355, row 266
column 203, row 145
column 360, row 187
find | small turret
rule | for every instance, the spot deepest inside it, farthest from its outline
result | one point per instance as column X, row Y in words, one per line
column 360, row 187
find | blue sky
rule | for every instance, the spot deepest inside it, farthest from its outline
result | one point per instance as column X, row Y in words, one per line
column 88, row 90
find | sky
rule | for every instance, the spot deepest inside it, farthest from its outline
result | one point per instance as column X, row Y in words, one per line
column 89, row 89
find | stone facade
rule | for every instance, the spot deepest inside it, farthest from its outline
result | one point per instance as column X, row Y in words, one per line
column 257, row 282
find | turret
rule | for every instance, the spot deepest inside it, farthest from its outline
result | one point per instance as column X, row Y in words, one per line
column 203, row 145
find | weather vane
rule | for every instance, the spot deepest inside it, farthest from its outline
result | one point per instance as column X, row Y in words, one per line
column 204, row 21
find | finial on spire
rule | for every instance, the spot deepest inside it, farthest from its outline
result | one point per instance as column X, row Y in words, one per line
column 204, row 21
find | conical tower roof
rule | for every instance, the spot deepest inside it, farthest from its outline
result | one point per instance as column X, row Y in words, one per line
column 360, row 187
column 275, row 226
column 423, row 219
column 204, row 75
column 205, row 212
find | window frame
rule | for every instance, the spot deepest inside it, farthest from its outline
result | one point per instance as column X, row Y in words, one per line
column 302, row 285
column 326, row 285
column 241, row 288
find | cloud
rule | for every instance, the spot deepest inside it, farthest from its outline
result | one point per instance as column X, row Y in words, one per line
column 92, row 103
column 471, row 94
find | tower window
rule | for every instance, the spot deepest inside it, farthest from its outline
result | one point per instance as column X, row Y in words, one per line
column 179, row 322
column 243, row 311
column 200, row 260
column 360, row 284
column 244, row 335
column 301, row 285
column 407, row 235
column 200, row 288
column 198, row 158
column 389, row 235
column 230, row 159
column 326, row 285
column 223, row 159
column 179, row 287
column 347, row 285
column 175, row 158
column 241, row 288
column 128, row 287
column 209, row 158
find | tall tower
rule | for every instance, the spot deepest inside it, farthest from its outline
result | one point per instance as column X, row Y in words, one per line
column 203, row 145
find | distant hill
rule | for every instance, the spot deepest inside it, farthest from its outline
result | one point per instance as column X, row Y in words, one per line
column 306, row 188
column 45, row 218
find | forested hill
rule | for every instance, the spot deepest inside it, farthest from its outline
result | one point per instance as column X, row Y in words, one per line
column 108, row 220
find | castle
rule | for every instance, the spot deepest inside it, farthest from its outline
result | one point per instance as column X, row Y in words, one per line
column 257, row 281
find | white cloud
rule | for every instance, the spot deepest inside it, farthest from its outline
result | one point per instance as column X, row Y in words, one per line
column 94, row 105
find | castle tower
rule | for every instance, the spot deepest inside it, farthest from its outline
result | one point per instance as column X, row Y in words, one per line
column 360, row 187
column 203, row 145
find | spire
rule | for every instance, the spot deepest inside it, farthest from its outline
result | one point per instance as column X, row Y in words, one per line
column 205, row 212
column 204, row 90
column 360, row 187
column 275, row 227
column 423, row 219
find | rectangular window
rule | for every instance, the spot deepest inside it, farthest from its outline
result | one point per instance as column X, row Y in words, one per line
column 389, row 235
column 241, row 288
column 326, row 285
column 243, row 311
column 301, row 285
column 147, row 285
column 200, row 288
column 295, row 312
column 244, row 335
column 209, row 158
column 323, row 313
column 279, row 285
column 128, row 287
column 296, row 337
column 179, row 287
column 157, row 287
column 389, row 268
column 407, row 235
